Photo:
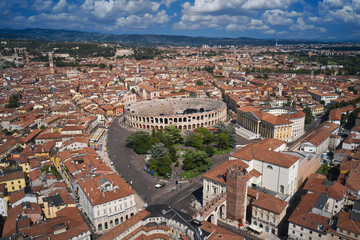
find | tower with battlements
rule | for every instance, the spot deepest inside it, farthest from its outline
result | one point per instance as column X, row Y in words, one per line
column 51, row 63
column 236, row 193
column 280, row 88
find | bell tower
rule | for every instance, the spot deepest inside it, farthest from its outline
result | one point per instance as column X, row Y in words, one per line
column 51, row 63
column 236, row 193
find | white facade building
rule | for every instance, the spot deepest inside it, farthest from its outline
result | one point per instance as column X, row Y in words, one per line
column 3, row 207
column 107, row 201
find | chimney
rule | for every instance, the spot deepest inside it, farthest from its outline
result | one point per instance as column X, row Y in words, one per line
column 257, row 195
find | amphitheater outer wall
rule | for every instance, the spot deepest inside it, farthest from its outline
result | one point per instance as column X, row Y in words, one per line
column 188, row 121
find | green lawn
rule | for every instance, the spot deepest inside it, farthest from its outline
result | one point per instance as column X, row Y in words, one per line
column 222, row 151
column 52, row 170
column 324, row 170
column 189, row 174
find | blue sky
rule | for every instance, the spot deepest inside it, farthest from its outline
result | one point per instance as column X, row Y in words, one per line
column 287, row 19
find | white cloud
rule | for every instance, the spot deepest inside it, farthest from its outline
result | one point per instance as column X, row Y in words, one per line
column 144, row 21
column 235, row 15
column 195, row 21
column 303, row 26
column 40, row 5
column 115, row 8
column 167, row 3
column 235, row 6
column 268, row 4
column 270, row 32
column 346, row 14
column 347, row 11
column 279, row 17
column 332, row 3
column 314, row 19
column 100, row 14
column 103, row 8
column 60, row 6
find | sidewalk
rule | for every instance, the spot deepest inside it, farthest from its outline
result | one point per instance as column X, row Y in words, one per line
column 103, row 154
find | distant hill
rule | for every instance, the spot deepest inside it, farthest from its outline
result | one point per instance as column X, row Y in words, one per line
column 135, row 39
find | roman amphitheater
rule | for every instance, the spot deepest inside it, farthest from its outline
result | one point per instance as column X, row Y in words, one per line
column 183, row 113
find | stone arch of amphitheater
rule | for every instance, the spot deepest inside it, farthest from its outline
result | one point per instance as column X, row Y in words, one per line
column 184, row 113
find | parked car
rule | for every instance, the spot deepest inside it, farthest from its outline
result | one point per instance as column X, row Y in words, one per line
column 159, row 185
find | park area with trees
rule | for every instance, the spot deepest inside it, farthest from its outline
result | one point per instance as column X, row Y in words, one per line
column 168, row 148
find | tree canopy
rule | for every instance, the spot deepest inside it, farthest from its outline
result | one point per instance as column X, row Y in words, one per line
column 158, row 150
column 197, row 160
column 309, row 116
column 141, row 141
column 13, row 101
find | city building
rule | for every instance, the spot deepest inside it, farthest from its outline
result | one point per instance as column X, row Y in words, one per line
column 165, row 222
column 107, row 200
column 323, row 96
column 279, row 123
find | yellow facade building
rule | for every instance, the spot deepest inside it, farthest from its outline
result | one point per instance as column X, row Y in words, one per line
column 13, row 181
column 264, row 124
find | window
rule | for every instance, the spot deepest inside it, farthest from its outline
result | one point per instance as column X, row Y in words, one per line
column 121, row 219
column 255, row 223
column 98, row 213
column 267, row 217
column 115, row 208
column 111, row 223
column 116, row 221
column 104, row 211
column 293, row 232
column 269, row 167
column 262, row 215
column 100, row 227
column 109, row 210
column 301, row 234
column 13, row 188
column 255, row 213
column 319, row 235
column 106, row 225
column 310, row 232
column 282, row 188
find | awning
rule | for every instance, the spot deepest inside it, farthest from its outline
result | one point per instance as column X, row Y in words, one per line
column 255, row 228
